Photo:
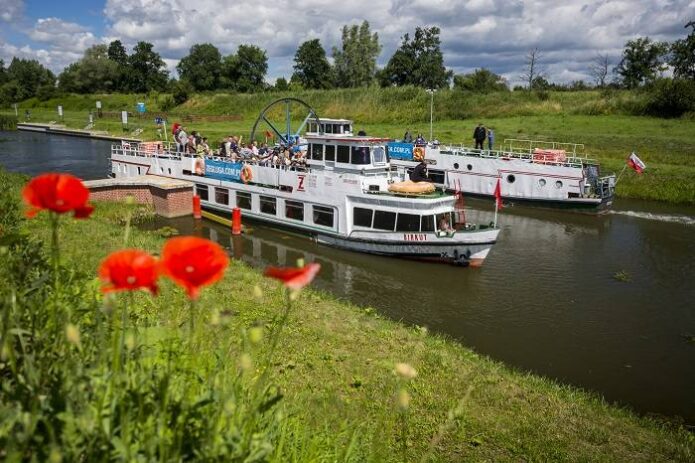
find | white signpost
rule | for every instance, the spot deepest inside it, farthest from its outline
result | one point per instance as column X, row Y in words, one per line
column 124, row 119
column 60, row 112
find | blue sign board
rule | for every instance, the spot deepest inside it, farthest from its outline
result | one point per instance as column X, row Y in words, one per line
column 158, row 120
column 222, row 170
column 140, row 107
column 400, row 151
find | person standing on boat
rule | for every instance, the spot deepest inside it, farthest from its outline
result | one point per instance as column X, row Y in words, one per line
column 407, row 138
column 419, row 173
column 479, row 136
column 182, row 138
column 490, row 138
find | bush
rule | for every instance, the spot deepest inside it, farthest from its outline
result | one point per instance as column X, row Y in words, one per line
column 167, row 103
column 671, row 98
column 181, row 91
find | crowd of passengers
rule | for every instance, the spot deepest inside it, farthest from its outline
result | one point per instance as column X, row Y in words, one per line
column 232, row 148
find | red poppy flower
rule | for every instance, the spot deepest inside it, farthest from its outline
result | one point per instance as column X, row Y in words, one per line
column 294, row 277
column 59, row 193
column 129, row 270
column 193, row 262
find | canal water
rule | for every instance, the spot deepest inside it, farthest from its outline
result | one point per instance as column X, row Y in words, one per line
column 605, row 302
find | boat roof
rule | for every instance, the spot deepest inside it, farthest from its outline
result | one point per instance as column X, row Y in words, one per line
column 343, row 139
column 335, row 121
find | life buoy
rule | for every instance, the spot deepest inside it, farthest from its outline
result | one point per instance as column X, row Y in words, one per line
column 246, row 174
column 418, row 154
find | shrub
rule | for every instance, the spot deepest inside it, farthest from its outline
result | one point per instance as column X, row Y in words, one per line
column 671, row 98
column 181, row 91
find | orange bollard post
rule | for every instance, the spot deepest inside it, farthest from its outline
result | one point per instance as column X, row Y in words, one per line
column 197, row 214
column 236, row 221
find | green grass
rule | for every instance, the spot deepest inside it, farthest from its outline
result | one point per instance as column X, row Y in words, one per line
column 603, row 121
column 335, row 369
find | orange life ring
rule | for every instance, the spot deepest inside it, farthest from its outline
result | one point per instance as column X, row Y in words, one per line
column 418, row 154
column 246, row 174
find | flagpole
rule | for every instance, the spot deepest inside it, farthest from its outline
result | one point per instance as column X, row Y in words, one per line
column 495, row 224
column 621, row 173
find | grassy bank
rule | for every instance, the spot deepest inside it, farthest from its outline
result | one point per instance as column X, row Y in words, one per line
column 604, row 122
column 335, row 370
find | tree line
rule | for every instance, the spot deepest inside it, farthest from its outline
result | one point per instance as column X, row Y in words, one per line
column 418, row 61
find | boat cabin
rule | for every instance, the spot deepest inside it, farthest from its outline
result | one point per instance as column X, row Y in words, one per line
column 340, row 127
column 350, row 154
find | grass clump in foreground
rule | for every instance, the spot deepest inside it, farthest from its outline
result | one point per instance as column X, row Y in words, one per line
column 343, row 385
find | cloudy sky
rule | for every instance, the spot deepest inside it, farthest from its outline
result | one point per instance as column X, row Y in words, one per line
column 495, row 34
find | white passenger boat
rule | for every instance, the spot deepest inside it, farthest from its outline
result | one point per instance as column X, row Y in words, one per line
column 340, row 198
column 540, row 173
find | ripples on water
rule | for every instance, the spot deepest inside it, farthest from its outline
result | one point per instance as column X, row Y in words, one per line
column 683, row 219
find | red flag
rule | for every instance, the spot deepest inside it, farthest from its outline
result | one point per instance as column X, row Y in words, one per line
column 636, row 163
column 268, row 134
column 498, row 195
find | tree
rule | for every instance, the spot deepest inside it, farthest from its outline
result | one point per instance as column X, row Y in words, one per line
column 533, row 70
column 599, row 69
column 642, row 61
column 480, row 81
column 245, row 71
column 418, row 62
column 117, row 53
column 28, row 75
column 683, row 55
column 355, row 62
column 3, row 72
column 311, row 68
column 147, row 70
column 202, row 67
column 94, row 72
column 281, row 84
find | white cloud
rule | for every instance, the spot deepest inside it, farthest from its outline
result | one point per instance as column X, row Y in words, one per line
column 11, row 10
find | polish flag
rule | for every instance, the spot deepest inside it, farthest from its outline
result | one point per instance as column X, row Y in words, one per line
column 268, row 134
column 498, row 195
column 636, row 163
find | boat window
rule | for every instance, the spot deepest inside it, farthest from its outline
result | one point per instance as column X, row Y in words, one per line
column 511, row 178
column 243, row 200
column 316, row 151
column 323, row 216
column 346, row 128
column 360, row 155
column 542, row 182
column 408, row 222
column 328, row 128
column 268, row 205
column 362, row 217
column 558, row 184
column 222, row 196
column 343, row 154
column 379, row 155
column 294, row 210
column 330, row 153
column 202, row 191
column 384, row 220
column 312, row 127
column 427, row 223
column 444, row 222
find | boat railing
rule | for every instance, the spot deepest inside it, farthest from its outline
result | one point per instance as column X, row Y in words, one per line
column 506, row 154
column 524, row 145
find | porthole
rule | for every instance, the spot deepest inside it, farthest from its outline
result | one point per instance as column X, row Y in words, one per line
column 558, row 184
column 456, row 165
column 169, row 170
column 541, row 182
column 469, row 167
column 511, row 178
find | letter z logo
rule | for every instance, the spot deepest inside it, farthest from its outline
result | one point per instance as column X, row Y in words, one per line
column 300, row 187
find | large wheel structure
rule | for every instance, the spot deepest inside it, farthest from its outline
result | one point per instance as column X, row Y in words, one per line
column 277, row 118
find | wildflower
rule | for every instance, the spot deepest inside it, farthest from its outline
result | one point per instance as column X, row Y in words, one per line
column 403, row 399
column 193, row 262
column 405, row 371
column 256, row 335
column 129, row 270
column 72, row 334
column 257, row 292
column 294, row 278
column 245, row 362
column 59, row 193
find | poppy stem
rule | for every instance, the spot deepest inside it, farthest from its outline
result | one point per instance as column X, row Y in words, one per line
column 55, row 264
column 191, row 319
